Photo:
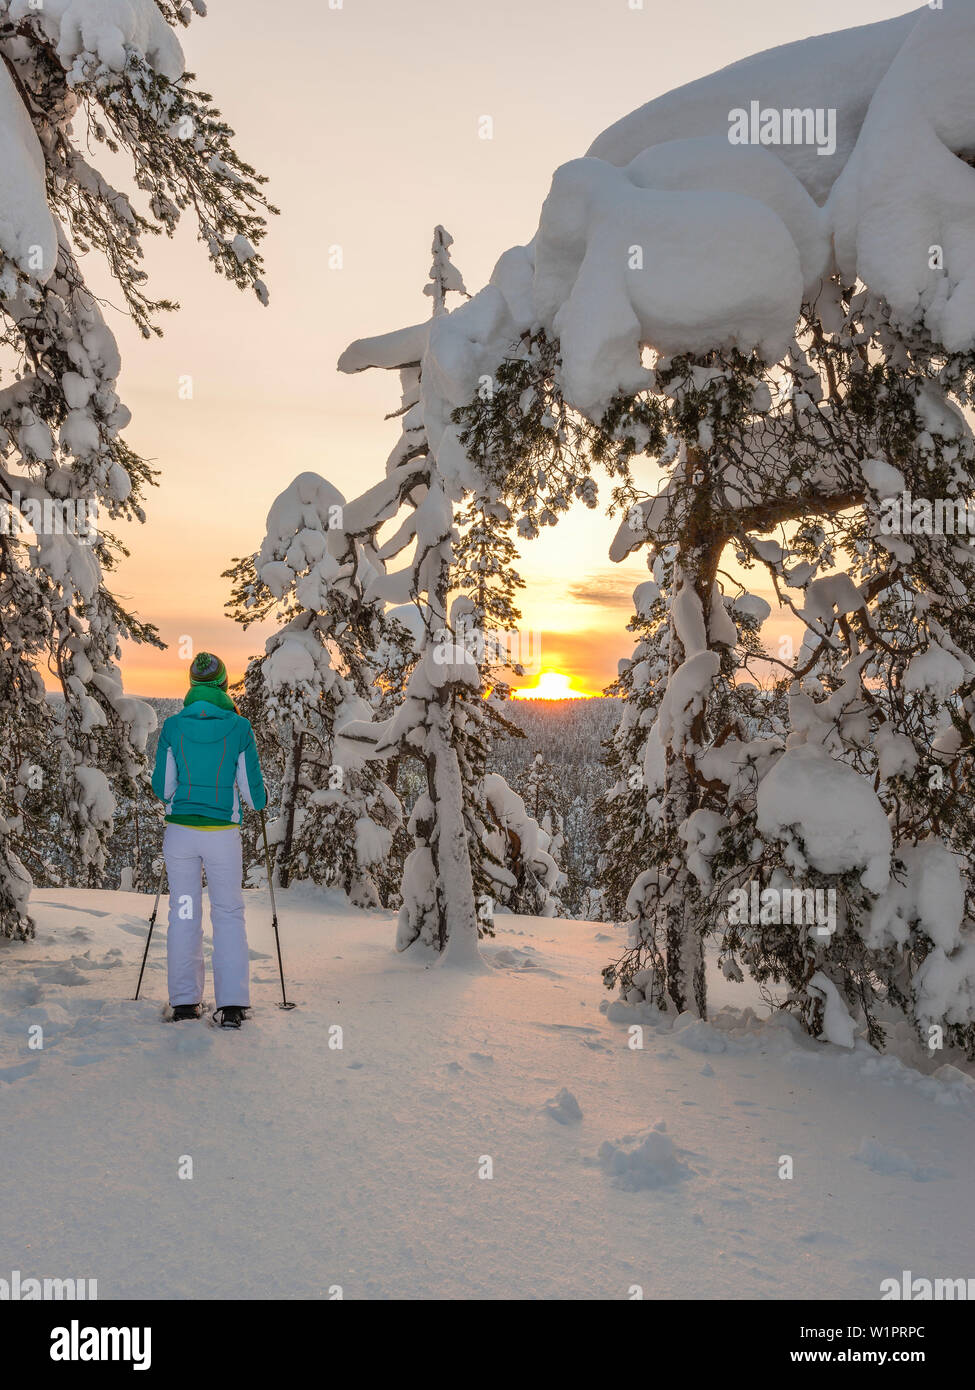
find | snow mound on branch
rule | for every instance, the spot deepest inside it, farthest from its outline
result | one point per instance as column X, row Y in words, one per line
column 828, row 816
column 935, row 671
column 372, row 843
column 107, row 29
column 926, row 889
column 139, row 716
column 637, row 1164
column 411, row 618
column 838, row 1026
column 396, row 349
column 733, row 236
column 450, row 663
column 701, row 832
column 839, row 71
column 94, row 793
column 944, row 986
column 292, row 662
column 509, row 810
column 466, row 347
column 905, row 191
column 27, row 233
column 293, row 534
column 752, row 606
column 621, row 260
column 885, row 480
column 686, row 695
column 833, row 592
column 715, row 165
column 927, row 892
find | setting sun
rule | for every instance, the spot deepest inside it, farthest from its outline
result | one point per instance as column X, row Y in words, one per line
column 551, row 685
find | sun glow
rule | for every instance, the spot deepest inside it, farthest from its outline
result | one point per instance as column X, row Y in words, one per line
column 551, row 685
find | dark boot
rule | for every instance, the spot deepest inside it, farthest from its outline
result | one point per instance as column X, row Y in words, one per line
column 183, row 1011
column 231, row 1015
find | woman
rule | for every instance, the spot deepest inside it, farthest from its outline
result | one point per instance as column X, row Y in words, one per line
column 206, row 762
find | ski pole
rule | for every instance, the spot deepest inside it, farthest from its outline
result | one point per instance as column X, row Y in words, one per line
column 274, row 914
column 152, row 923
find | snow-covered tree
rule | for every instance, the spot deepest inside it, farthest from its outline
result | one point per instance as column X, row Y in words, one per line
column 443, row 720
column 583, row 832
column 77, row 81
column 794, row 377
column 538, row 787
column 336, row 658
column 524, row 874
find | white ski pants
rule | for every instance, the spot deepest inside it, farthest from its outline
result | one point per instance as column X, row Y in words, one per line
column 187, row 852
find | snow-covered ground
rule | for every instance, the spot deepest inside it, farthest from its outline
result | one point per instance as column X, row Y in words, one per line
column 358, row 1167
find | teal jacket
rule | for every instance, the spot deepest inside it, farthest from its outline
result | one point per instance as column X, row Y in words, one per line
column 206, row 761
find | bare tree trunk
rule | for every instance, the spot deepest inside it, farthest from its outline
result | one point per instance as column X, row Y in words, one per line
column 697, row 567
column 456, row 907
column 289, row 785
column 392, row 774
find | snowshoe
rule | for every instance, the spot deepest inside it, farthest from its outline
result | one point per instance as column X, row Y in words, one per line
column 184, row 1011
column 230, row 1016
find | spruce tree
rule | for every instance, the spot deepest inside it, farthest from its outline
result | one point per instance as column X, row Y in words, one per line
column 442, row 719
column 72, row 96
column 334, row 659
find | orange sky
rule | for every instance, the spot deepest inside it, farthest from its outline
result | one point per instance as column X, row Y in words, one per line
column 366, row 119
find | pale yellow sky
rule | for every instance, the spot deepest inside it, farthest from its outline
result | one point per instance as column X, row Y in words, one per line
column 365, row 117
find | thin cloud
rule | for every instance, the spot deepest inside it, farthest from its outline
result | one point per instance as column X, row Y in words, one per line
column 606, row 588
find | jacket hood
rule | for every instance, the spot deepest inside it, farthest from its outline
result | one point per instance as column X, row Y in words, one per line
column 211, row 695
column 203, row 722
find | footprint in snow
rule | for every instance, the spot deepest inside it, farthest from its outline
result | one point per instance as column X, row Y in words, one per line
column 134, row 927
column 565, row 1028
column 67, row 974
column 68, row 907
column 187, row 1039
column 11, row 1074
column 513, row 959
column 895, row 1163
column 110, row 961
column 821, row 1238
column 563, row 1108
column 24, row 994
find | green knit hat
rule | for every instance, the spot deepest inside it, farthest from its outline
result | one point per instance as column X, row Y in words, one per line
column 208, row 669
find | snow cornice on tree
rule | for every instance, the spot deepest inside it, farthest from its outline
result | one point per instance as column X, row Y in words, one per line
column 669, row 235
